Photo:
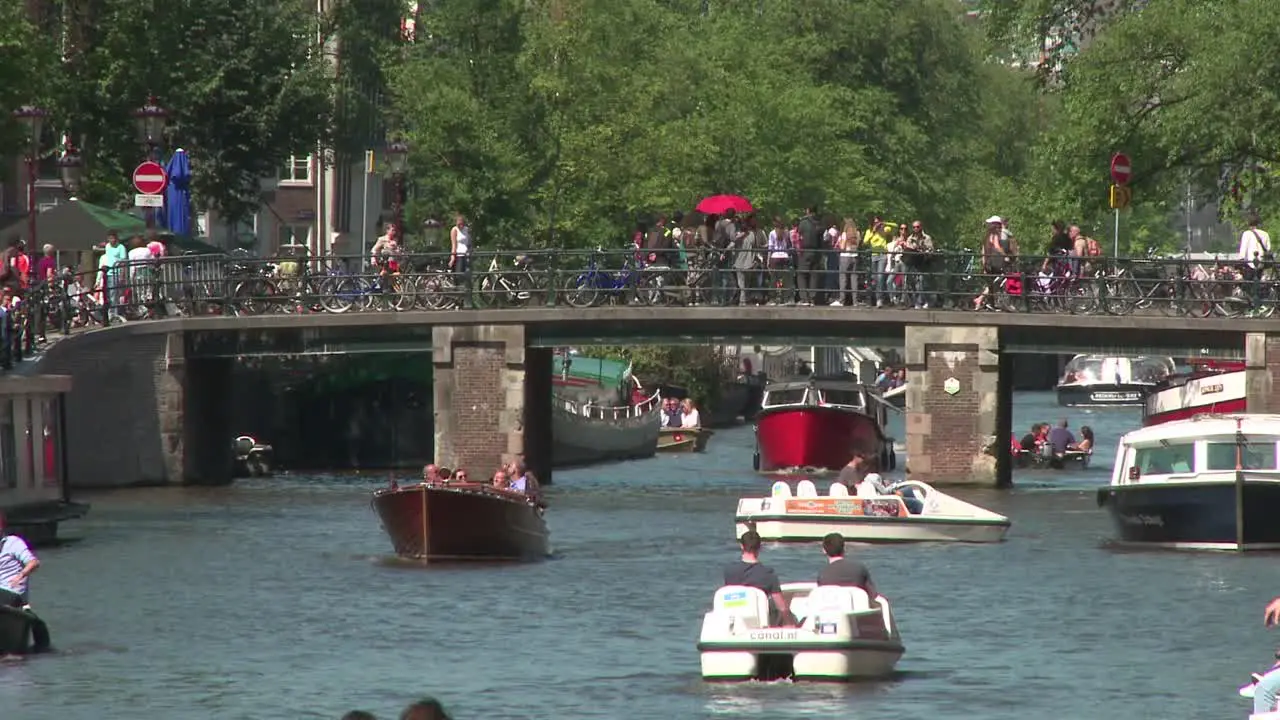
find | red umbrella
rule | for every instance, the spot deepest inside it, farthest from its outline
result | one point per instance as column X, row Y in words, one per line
column 718, row 204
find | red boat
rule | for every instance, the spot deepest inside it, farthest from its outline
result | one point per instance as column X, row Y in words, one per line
column 1212, row 386
column 461, row 521
column 819, row 424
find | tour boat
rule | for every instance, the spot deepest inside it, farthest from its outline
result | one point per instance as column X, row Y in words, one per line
column 1212, row 386
column 809, row 517
column 1111, row 381
column 462, row 521
column 1210, row 482
column 819, row 424
column 843, row 634
column 682, row 440
column 1248, row 690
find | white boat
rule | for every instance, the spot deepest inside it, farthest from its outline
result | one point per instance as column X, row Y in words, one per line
column 1247, row 691
column 896, row 396
column 807, row 516
column 842, row 635
column 1212, row 386
column 1210, row 482
column 1098, row 380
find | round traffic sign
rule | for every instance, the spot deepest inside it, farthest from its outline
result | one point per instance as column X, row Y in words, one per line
column 149, row 178
column 1121, row 170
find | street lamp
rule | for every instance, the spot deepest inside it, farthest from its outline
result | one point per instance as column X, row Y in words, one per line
column 150, row 121
column 70, row 169
column 398, row 164
column 32, row 119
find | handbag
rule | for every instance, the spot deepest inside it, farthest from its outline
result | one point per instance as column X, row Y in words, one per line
column 1267, row 255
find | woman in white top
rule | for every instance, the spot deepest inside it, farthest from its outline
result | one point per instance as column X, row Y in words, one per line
column 141, row 271
column 460, row 245
column 847, row 245
column 689, row 418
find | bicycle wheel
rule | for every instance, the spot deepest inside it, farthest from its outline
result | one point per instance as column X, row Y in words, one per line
column 402, row 293
column 489, row 290
column 1081, row 298
column 336, row 294
column 1120, row 295
column 251, row 297
column 437, row 291
column 582, row 292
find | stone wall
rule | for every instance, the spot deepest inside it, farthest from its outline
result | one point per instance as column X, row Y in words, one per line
column 479, row 378
column 1262, row 372
column 956, row 407
column 130, row 421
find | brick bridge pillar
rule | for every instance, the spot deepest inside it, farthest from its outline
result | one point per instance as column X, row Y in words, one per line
column 1261, row 372
column 482, row 398
column 959, row 405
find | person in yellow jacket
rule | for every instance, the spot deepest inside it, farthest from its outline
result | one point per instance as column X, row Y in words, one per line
column 877, row 239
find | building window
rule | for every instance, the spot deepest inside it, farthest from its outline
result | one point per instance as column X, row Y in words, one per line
column 293, row 234
column 296, row 170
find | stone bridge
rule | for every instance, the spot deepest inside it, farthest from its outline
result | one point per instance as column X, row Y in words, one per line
column 150, row 399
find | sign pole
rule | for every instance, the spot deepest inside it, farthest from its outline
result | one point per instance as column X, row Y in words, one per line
column 1116, row 254
column 364, row 211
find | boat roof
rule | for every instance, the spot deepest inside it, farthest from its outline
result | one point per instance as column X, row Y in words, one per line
column 1201, row 426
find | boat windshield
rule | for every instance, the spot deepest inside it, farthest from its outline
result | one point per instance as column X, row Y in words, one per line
column 1166, row 459
column 784, row 396
column 1098, row 369
column 846, row 398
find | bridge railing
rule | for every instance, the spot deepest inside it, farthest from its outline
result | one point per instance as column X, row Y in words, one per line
column 193, row 285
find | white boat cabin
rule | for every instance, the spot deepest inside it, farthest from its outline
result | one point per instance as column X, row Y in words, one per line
column 801, row 394
column 1108, row 370
column 1205, row 448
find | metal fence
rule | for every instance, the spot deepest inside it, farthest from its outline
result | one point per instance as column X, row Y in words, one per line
column 193, row 285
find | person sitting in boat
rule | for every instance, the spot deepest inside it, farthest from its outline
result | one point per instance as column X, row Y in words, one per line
column 749, row 571
column 853, row 472
column 522, row 480
column 1060, row 438
column 1031, row 441
column 17, row 562
column 872, row 486
column 671, row 413
column 459, row 475
column 430, row 474
column 841, row 570
column 500, row 481
column 1085, row 443
column 689, row 418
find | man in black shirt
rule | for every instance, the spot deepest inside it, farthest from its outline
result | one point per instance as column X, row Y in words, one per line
column 809, row 257
column 751, row 572
column 841, row 570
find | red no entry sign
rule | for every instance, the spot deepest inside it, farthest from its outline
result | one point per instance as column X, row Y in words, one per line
column 1121, row 170
column 150, row 178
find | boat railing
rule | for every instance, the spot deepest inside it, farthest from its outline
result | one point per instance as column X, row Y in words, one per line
column 605, row 412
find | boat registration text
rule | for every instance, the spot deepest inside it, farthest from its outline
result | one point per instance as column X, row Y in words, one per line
column 1113, row 396
column 774, row 635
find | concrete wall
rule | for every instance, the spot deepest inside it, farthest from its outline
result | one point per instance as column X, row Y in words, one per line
column 956, row 405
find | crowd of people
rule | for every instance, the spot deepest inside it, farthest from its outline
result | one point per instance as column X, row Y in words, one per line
column 1055, row 440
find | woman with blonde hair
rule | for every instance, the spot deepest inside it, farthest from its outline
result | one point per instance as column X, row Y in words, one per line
column 847, row 246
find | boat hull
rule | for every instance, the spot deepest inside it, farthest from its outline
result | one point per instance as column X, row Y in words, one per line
column 1222, row 393
column 818, row 661
column 578, row 440
column 815, row 436
column 916, row 528
column 1194, row 515
column 38, row 522
column 1103, row 394
column 683, row 440
column 442, row 522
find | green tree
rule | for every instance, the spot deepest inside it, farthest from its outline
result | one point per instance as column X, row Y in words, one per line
column 246, row 82
column 698, row 369
column 27, row 57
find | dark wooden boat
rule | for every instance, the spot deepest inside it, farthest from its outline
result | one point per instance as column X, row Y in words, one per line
column 22, row 632
column 462, row 521
column 683, row 440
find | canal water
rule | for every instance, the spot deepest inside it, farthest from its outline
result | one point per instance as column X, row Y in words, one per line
column 275, row 599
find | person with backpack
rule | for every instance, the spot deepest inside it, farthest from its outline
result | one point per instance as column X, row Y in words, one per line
column 810, row 258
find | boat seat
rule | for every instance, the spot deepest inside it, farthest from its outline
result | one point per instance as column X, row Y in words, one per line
column 748, row 604
column 781, row 489
column 838, row 490
column 839, row 598
column 806, row 489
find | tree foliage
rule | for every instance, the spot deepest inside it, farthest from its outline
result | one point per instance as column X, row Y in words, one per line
column 560, row 122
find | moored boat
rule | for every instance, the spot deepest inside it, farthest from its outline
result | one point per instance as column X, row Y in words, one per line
column 682, row 440
column 600, row 413
column 807, row 516
column 1099, row 380
column 252, row 458
column 820, row 424
column 843, row 634
column 462, row 521
column 1210, row 482
column 1212, row 386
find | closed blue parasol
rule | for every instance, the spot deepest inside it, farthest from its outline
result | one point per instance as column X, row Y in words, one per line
column 177, row 196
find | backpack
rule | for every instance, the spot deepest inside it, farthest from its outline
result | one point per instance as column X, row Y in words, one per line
column 1091, row 248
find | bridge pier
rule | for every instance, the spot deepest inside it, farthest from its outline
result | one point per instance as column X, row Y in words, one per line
column 959, row 404
column 489, row 399
column 1261, row 372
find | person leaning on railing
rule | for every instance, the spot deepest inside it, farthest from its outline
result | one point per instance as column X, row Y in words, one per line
column 999, row 255
column 779, row 262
